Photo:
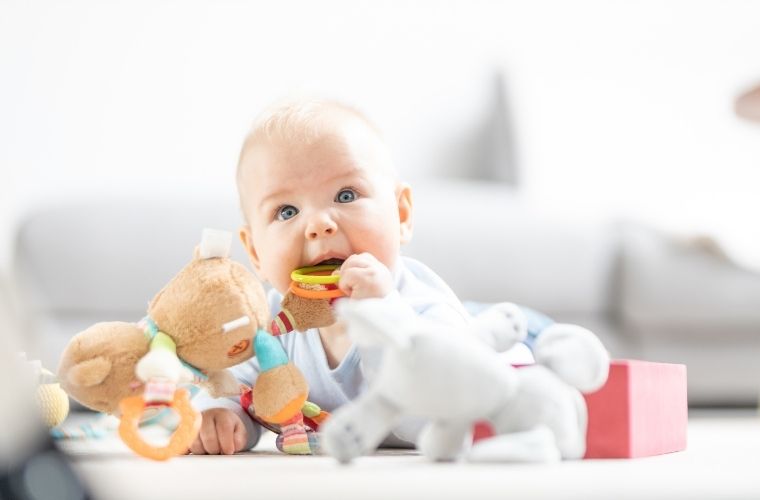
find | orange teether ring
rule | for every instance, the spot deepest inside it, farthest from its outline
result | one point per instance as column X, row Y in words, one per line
column 180, row 441
column 315, row 294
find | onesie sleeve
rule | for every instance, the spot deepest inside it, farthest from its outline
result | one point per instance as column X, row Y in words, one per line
column 442, row 312
column 421, row 290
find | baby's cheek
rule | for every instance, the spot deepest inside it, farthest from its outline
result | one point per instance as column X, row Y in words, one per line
column 282, row 283
column 378, row 241
column 276, row 271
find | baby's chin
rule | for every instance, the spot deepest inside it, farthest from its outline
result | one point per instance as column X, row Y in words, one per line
column 282, row 289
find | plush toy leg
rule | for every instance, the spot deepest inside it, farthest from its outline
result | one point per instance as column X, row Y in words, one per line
column 444, row 440
column 571, row 440
column 359, row 427
column 536, row 445
column 544, row 399
column 294, row 438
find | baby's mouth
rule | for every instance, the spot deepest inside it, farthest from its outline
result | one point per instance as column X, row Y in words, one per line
column 330, row 262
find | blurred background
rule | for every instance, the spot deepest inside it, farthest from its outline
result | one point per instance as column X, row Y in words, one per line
column 583, row 158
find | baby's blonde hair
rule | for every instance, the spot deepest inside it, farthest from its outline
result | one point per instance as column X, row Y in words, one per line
column 299, row 122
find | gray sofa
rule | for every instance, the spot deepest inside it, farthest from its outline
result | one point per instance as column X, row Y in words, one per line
column 647, row 296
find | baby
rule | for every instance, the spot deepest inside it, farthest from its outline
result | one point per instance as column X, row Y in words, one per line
column 317, row 185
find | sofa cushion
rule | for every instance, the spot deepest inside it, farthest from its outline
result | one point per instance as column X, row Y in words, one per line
column 665, row 282
column 490, row 244
column 680, row 303
column 110, row 256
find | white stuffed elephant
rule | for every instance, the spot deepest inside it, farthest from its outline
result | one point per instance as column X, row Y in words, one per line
column 454, row 378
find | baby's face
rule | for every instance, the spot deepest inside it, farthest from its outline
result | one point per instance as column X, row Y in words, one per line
column 307, row 204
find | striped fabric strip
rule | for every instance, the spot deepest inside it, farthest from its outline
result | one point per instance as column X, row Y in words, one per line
column 150, row 329
column 283, row 323
column 148, row 326
column 198, row 376
column 84, row 431
column 294, row 438
column 313, row 442
column 159, row 391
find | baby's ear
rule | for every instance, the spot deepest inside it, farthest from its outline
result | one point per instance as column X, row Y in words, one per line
column 405, row 211
column 89, row 373
column 246, row 237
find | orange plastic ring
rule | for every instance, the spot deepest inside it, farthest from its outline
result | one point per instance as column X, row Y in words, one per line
column 315, row 294
column 180, row 441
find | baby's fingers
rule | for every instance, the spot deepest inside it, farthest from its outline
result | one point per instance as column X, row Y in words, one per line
column 358, row 260
column 360, row 283
column 196, row 448
column 350, row 278
column 209, row 439
column 240, row 436
column 225, row 435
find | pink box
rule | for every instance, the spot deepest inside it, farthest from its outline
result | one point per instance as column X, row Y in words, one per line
column 640, row 411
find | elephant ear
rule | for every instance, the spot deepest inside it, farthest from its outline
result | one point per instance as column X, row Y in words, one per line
column 90, row 372
column 574, row 354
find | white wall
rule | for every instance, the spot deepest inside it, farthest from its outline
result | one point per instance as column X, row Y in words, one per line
column 622, row 107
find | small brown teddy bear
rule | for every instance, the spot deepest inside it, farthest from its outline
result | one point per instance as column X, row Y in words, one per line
column 212, row 315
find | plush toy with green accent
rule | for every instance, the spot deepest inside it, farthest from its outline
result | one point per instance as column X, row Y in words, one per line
column 210, row 316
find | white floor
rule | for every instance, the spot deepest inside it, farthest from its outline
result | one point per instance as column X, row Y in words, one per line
column 722, row 461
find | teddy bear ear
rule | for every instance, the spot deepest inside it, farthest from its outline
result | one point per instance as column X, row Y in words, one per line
column 90, row 372
column 214, row 243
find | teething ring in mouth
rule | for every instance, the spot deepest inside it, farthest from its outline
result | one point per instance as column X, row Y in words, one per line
column 316, row 275
column 331, row 292
column 238, row 348
column 190, row 423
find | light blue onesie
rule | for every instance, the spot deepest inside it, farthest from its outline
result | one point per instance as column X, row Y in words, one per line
column 417, row 287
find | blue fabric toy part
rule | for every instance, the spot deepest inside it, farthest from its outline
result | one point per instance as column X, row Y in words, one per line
column 268, row 351
column 537, row 323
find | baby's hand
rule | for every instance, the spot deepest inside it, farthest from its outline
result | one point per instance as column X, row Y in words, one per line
column 222, row 432
column 362, row 276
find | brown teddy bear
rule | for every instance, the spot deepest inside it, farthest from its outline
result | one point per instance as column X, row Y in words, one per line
column 212, row 315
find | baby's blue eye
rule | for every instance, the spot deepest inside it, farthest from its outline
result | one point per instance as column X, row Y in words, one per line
column 346, row 196
column 286, row 212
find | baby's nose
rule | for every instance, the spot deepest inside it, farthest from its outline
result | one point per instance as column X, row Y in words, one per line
column 321, row 227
